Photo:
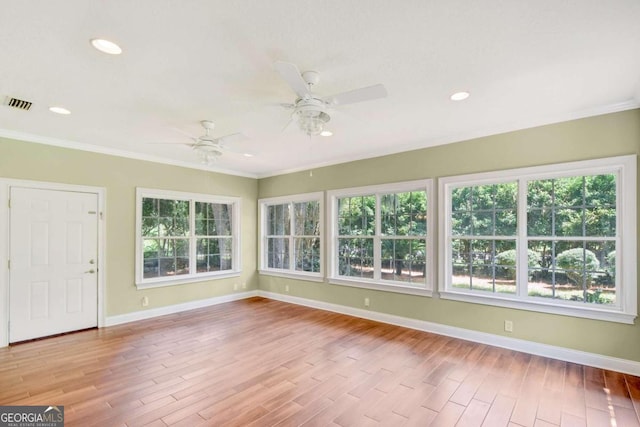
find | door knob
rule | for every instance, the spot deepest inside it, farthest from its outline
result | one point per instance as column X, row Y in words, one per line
column 90, row 271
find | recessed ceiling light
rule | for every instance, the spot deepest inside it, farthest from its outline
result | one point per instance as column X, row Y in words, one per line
column 459, row 96
column 248, row 155
column 106, row 46
column 59, row 110
column 326, row 133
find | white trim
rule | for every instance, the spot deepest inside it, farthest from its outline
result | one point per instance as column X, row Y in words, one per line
column 544, row 305
column 560, row 353
column 394, row 187
column 432, row 142
column 192, row 198
column 4, row 257
column 202, row 277
column 397, row 287
column 135, row 316
column 377, row 283
column 262, row 236
column 299, row 275
column 554, row 170
column 575, row 356
column 100, row 192
column 294, row 198
column 625, row 309
column 110, row 151
column 467, row 136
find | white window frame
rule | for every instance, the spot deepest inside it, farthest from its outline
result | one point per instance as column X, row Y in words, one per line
column 142, row 283
column 263, row 205
column 625, row 309
column 398, row 287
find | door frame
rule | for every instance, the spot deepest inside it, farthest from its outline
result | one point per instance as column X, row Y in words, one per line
column 5, row 192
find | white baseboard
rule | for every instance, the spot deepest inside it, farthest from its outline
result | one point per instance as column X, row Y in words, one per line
column 177, row 308
column 553, row 352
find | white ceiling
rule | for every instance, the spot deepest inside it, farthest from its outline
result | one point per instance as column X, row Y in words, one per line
column 525, row 63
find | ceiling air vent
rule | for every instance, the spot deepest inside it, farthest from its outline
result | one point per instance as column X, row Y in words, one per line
column 18, row 103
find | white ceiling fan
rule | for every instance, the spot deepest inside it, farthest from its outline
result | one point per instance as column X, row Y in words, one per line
column 208, row 147
column 310, row 110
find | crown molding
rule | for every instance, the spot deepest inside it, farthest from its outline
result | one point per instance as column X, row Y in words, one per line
column 631, row 104
column 417, row 145
column 39, row 139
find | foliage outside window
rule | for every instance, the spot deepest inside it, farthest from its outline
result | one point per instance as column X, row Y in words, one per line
column 292, row 235
column 184, row 237
column 380, row 236
column 546, row 235
column 483, row 230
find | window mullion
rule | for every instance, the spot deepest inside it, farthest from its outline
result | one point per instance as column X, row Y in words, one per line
column 264, row 240
column 192, row 237
column 377, row 243
column 292, row 240
column 522, row 242
column 624, row 301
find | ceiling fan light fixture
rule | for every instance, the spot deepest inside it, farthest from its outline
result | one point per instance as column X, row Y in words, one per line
column 326, row 133
column 208, row 154
column 312, row 121
column 207, row 157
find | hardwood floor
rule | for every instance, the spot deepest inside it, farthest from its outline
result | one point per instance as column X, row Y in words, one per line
column 259, row 362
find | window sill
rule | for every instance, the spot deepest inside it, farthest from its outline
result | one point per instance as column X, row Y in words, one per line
column 185, row 280
column 311, row 277
column 592, row 313
column 399, row 289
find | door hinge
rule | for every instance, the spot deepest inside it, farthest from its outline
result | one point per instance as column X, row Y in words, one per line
column 8, row 264
column 9, row 203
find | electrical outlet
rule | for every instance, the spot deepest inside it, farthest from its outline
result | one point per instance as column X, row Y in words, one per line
column 286, row 288
column 244, row 285
column 508, row 326
column 235, row 286
column 366, row 302
column 145, row 301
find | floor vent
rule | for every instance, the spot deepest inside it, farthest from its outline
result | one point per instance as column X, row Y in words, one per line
column 18, row 103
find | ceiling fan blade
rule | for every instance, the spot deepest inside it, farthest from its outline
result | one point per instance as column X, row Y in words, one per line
column 286, row 126
column 358, row 95
column 290, row 73
column 171, row 143
column 232, row 137
column 187, row 134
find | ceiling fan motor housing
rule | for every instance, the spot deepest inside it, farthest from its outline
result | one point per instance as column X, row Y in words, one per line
column 311, row 77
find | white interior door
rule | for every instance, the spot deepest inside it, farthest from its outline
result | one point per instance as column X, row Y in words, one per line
column 53, row 283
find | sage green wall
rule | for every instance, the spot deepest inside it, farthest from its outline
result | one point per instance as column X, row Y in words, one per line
column 602, row 136
column 120, row 177
column 595, row 137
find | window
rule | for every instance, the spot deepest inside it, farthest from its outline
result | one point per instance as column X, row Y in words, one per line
column 548, row 238
column 184, row 237
column 380, row 237
column 292, row 235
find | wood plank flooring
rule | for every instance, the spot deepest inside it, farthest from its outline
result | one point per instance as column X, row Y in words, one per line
column 259, row 362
